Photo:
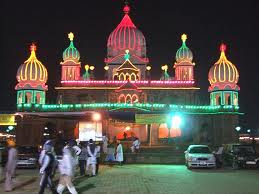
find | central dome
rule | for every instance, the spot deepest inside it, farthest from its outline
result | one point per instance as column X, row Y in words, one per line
column 126, row 37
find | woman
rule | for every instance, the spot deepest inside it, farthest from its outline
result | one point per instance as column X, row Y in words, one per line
column 67, row 170
column 119, row 153
column 82, row 159
column 10, row 165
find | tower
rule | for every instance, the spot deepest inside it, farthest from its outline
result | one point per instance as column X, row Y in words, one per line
column 223, row 78
column 70, row 67
column 32, row 76
column 124, row 37
column 184, row 65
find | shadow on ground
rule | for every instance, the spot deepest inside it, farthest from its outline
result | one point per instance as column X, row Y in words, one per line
column 28, row 182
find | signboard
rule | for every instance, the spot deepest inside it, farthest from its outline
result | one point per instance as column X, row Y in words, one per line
column 150, row 118
column 7, row 119
column 90, row 130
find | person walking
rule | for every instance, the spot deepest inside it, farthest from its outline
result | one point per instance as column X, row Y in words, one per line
column 135, row 145
column 48, row 165
column 119, row 152
column 82, row 159
column 10, row 165
column 110, row 153
column 98, row 156
column 67, row 170
column 105, row 143
column 91, row 160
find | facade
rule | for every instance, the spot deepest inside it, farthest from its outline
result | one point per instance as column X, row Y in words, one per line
column 128, row 100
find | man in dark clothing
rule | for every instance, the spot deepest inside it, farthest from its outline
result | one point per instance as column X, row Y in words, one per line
column 47, row 169
column 82, row 159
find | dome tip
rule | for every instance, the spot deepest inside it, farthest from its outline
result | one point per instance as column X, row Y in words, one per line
column 71, row 36
column 184, row 37
column 223, row 47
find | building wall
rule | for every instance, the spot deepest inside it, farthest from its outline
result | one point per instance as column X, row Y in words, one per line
column 210, row 129
column 165, row 96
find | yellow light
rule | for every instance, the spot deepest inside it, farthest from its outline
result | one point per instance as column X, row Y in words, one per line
column 148, row 68
column 86, row 67
column 71, row 36
column 91, row 67
column 106, row 68
column 184, row 37
column 96, row 116
column 127, row 128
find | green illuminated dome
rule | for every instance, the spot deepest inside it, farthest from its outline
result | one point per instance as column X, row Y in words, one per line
column 71, row 53
column 184, row 53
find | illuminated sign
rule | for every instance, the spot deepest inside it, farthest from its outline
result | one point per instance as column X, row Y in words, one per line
column 7, row 119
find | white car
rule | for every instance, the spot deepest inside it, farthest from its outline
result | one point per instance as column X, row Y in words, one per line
column 197, row 156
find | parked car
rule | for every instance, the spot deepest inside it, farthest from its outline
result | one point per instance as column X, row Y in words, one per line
column 240, row 156
column 197, row 156
column 27, row 157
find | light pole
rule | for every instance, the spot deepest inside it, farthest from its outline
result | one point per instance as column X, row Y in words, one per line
column 96, row 118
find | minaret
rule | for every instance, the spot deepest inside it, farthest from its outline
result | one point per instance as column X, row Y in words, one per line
column 70, row 67
column 184, row 65
column 32, row 76
column 223, row 78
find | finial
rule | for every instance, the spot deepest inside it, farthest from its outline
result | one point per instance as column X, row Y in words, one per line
column 71, row 36
column 126, row 8
column 223, row 47
column 126, row 55
column 184, row 37
column 33, row 47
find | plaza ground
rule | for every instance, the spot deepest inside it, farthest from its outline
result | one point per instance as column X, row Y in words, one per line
column 157, row 179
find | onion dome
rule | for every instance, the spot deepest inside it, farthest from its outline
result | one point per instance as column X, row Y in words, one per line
column 126, row 36
column 71, row 53
column 184, row 53
column 32, row 73
column 223, row 73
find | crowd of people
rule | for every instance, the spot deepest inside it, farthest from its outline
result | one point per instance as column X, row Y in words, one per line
column 83, row 155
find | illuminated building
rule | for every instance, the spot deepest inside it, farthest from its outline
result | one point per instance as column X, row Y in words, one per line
column 128, row 99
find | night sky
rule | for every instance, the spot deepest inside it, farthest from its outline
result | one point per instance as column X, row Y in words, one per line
column 207, row 24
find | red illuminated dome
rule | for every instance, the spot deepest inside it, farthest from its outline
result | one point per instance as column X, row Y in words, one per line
column 32, row 74
column 223, row 74
column 126, row 36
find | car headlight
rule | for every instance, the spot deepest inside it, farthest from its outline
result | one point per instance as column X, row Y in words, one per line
column 190, row 159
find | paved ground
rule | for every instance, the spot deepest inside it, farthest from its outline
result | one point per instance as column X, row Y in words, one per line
column 155, row 179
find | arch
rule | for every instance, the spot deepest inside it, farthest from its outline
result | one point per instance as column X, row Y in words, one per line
column 127, row 77
column 38, row 98
column 122, row 99
column 20, row 98
column 133, row 77
column 128, row 99
column 28, row 98
column 115, row 77
column 122, row 77
column 134, row 98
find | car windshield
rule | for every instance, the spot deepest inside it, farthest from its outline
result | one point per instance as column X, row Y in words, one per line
column 200, row 150
column 27, row 150
column 243, row 149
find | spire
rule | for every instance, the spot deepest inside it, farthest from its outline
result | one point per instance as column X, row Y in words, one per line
column 71, row 36
column 223, row 57
column 126, row 55
column 184, row 38
column 126, row 8
column 33, row 48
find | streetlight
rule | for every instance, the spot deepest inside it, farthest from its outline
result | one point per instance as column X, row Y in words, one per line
column 96, row 118
column 248, row 130
column 238, row 128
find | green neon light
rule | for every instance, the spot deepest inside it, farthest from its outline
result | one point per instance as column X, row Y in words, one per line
column 116, row 106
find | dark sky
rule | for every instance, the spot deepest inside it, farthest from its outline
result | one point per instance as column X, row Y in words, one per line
column 207, row 24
